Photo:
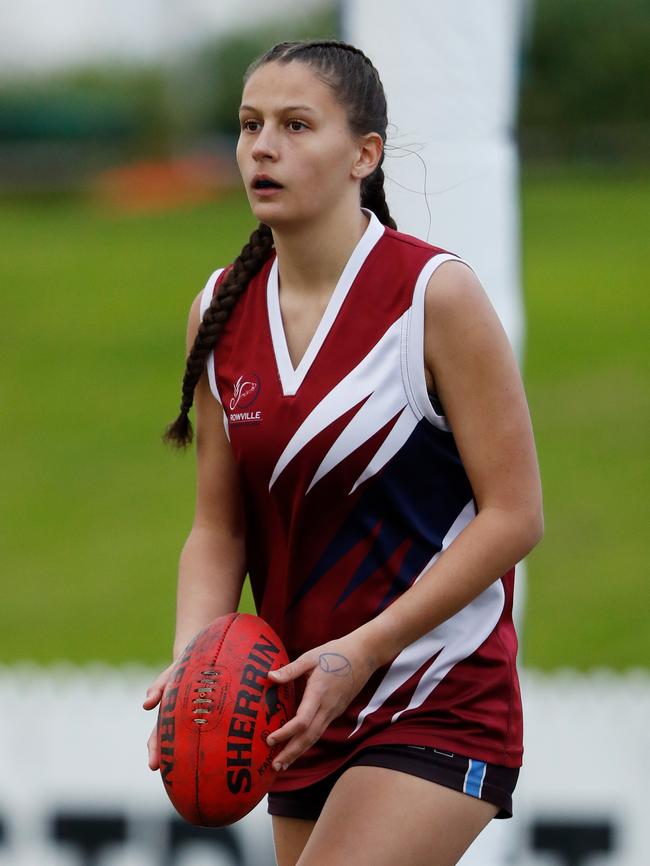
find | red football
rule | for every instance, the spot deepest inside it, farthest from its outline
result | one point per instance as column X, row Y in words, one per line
column 216, row 711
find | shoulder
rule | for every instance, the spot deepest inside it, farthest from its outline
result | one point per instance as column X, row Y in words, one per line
column 454, row 290
column 462, row 328
column 406, row 239
column 200, row 304
column 206, row 293
column 405, row 257
column 194, row 318
column 452, row 285
column 410, row 244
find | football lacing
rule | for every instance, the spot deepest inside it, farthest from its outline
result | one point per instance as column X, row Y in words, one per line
column 204, row 688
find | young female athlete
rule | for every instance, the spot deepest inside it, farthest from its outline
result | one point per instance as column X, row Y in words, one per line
column 365, row 453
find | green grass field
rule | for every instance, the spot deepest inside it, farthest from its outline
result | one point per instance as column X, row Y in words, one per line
column 95, row 510
column 586, row 264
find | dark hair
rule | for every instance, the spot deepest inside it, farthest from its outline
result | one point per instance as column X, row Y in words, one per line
column 357, row 87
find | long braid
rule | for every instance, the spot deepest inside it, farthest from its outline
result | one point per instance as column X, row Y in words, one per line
column 245, row 266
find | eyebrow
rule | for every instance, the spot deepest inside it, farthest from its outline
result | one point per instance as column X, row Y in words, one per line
column 286, row 108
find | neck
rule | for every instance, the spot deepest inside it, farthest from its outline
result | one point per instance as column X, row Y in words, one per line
column 311, row 257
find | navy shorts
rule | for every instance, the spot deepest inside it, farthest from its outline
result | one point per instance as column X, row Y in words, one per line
column 491, row 782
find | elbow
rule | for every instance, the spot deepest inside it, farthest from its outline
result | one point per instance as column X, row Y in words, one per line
column 539, row 528
column 532, row 529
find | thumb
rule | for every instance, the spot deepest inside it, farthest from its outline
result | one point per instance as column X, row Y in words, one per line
column 152, row 697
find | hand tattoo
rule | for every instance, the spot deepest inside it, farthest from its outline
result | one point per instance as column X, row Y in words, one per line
column 334, row 663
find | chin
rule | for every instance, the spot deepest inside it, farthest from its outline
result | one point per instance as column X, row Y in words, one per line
column 274, row 216
column 264, row 211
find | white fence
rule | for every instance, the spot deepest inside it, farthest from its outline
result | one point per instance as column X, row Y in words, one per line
column 75, row 789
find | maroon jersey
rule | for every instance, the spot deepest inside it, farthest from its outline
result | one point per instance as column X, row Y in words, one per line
column 352, row 486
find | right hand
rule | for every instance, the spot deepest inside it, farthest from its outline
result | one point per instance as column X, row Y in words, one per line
column 152, row 699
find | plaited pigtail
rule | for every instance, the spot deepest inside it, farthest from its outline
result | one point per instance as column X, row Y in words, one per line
column 245, row 266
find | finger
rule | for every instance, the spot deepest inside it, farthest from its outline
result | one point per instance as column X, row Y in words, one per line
column 299, row 723
column 155, row 691
column 301, row 742
column 153, row 696
column 152, row 749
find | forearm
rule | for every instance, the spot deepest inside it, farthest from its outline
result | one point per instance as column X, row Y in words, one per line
column 490, row 544
column 211, row 572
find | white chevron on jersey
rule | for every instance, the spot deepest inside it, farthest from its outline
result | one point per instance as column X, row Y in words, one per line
column 481, row 615
column 452, row 641
column 380, row 408
column 399, row 433
column 359, row 383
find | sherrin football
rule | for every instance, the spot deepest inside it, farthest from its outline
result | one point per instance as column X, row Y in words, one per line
column 215, row 713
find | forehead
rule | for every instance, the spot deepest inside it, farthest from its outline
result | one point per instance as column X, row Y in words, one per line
column 276, row 85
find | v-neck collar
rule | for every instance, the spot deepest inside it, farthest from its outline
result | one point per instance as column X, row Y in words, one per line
column 290, row 377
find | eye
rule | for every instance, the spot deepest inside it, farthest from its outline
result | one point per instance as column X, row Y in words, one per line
column 296, row 125
column 250, row 125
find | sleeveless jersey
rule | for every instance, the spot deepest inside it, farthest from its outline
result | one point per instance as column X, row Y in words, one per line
column 352, row 486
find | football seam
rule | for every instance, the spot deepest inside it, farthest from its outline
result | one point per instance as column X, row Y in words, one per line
column 198, row 739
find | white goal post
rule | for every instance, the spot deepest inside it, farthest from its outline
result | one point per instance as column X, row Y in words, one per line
column 450, row 70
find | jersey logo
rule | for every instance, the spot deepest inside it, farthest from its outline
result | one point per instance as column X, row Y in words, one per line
column 245, row 392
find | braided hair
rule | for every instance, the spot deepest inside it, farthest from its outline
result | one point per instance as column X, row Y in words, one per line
column 356, row 85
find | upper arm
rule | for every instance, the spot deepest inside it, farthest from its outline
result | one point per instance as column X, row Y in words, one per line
column 477, row 378
column 218, row 504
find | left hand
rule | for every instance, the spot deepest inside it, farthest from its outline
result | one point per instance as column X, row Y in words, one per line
column 336, row 672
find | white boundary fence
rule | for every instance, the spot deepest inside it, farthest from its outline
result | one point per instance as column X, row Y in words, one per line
column 75, row 789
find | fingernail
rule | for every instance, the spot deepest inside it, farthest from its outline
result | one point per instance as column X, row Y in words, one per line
column 270, row 741
column 278, row 766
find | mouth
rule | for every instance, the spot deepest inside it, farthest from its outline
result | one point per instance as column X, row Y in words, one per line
column 263, row 182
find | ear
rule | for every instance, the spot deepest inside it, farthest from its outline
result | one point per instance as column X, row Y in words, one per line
column 368, row 155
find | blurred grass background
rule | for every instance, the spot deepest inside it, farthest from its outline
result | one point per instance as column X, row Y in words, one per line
column 586, row 259
column 95, row 510
column 94, row 302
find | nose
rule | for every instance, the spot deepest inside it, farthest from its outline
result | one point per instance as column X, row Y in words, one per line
column 266, row 145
